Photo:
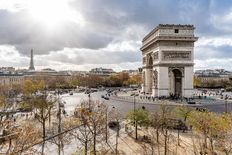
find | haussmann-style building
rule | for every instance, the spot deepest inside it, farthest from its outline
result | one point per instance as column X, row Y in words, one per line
column 168, row 60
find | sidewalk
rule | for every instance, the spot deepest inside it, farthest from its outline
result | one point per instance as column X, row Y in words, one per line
column 126, row 145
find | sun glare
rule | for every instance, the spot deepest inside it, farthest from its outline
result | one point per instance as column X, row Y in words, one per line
column 53, row 12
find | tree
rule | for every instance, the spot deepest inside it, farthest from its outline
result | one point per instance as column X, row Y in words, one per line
column 43, row 107
column 165, row 117
column 138, row 117
column 183, row 112
column 196, row 82
column 64, row 138
column 212, row 126
column 114, row 81
column 115, row 117
column 91, row 117
column 96, row 121
column 123, row 77
column 225, row 142
column 74, row 82
column 156, row 123
column 83, row 133
column 23, row 137
column 3, row 101
column 134, row 80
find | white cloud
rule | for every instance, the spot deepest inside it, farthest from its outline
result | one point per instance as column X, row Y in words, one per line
column 123, row 46
column 213, row 64
column 109, row 33
column 223, row 21
column 13, row 5
column 9, row 56
column 53, row 61
column 214, row 41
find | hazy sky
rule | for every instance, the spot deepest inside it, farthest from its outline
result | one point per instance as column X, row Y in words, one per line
column 83, row 34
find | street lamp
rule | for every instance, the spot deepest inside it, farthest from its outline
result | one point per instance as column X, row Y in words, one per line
column 226, row 104
column 89, row 99
column 134, row 95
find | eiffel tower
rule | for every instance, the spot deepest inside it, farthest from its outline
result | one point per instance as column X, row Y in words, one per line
column 32, row 61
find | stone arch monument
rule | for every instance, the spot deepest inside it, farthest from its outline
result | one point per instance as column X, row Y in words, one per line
column 168, row 60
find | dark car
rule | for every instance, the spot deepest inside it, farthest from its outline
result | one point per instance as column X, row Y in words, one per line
column 24, row 110
column 113, row 124
column 191, row 102
column 106, row 98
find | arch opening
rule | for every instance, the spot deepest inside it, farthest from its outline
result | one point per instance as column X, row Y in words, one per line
column 177, row 75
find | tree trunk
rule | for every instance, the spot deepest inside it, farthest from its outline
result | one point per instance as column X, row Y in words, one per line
column 9, row 147
column 86, row 146
column 136, row 130
column 211, row 144
column 59, row 148
column 44, row 135
column 49, row 120
column 165, row 142
column 94, row 143
column 205, row 141
column 157, row 135
column 152, row 149
column 158, row 146
column 116, row 151
column 44, row 129
column 59, row 130
column 117, row 135
column 43, row 148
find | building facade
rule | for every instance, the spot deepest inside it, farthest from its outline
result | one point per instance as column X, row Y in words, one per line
column 212, row 77
column 168, row 60
column 102, row 71
column 11, row 79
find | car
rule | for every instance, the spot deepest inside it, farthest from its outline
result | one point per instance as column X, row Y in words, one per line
column 191, row 102
column 113, row 124
column 106, row 98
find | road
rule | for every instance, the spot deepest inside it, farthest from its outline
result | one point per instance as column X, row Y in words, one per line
column 74, row 100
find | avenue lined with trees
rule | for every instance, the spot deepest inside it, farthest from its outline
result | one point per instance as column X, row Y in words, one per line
column 94, row 125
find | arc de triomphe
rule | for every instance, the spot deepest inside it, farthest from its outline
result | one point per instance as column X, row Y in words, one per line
column 168, row 55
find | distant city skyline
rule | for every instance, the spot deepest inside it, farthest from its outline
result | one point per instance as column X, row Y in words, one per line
column 85, row 34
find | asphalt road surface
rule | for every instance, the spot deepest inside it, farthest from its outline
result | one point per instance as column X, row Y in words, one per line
column 123, row 107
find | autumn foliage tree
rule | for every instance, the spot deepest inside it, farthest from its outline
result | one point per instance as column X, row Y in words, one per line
column 212, row 127
column 22, row 138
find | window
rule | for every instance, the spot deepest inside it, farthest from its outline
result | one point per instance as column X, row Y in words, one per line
column 176, row 30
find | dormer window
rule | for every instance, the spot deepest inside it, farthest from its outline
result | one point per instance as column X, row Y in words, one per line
column 176, row 30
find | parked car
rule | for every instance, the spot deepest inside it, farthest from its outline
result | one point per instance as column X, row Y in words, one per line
column 191, row 102
column 106, row 98
column 113, row 124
